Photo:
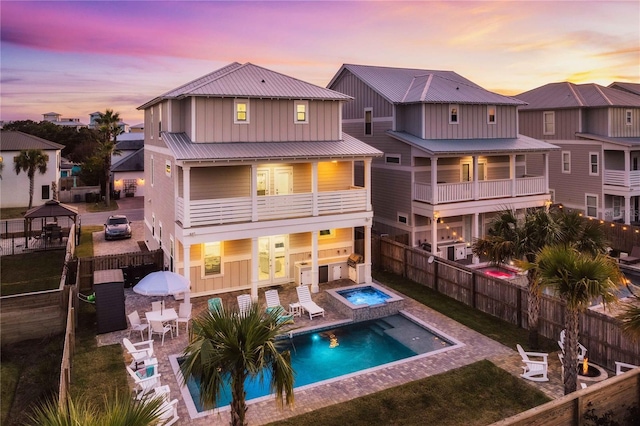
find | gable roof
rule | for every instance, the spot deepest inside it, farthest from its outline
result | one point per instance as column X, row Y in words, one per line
column 570, row 95
column 249, row 81
column 52, row 208
column 626, row 86
column 129, row 141
column 184, row 150
column 17, row 141
column 132, row 163
column 456, row 147
column 408, row 85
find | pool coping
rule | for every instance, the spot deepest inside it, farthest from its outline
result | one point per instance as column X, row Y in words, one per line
column 194, row 414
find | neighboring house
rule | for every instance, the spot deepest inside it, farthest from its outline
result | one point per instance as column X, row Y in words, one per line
column 137, row 128
column 250, row 182
column 15, row 187
column 627, row 87
column 597, row 128
column 93, row 122
column 452, row 154
column 127, row 169
column 56, row 118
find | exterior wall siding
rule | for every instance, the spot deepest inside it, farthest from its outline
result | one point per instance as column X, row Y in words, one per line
column 363, row 96
column 391, row 191
column 15, row 187
column 159, row 201
column 220, row 182
column 567, row 124
column 409, row 119
column 472, row 122
column 597, row 121
column 380, row 140
column 270, row 120
column 619, row 127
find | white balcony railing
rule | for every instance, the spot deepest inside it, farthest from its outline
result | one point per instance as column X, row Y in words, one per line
column 618, row 177
column 464, row 191
column 270, row 207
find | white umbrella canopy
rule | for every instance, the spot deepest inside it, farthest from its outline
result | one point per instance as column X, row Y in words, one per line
column 162, row 283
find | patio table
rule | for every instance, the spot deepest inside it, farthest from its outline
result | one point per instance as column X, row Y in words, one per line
column 165, row 315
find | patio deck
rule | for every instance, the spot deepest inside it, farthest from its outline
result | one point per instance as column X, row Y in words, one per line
column 476, row 347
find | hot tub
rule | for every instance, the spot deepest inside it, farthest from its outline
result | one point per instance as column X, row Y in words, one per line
column 365, row 301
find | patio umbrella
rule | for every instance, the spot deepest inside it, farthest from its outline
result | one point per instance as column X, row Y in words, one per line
column 162, row 283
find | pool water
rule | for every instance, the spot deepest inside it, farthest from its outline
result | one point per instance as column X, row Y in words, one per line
column 364, row 296
column 335, row 352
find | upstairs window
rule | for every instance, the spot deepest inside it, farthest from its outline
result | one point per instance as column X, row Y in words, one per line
column 566, row 161
column 491, row 114
column 301, row 108
column 241, row 107
column 549, row 123
column 594, row 163
column 368, row 121
column 628, row 117
column 454, row 114
column 392, row 158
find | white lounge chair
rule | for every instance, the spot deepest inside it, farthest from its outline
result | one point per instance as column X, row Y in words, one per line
column 169, row 413
column 184, row 316
column 215, row 304
column 157, row 327
column 137, row 324
column 143, row 381
column 244, row 303
column 534, row 370
column 304, row 297
column 582, row 351
column 623, row 367
column 140, row 352
column 273, row 303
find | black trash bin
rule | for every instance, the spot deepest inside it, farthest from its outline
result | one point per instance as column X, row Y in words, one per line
column 88, row 197
column 77, row 198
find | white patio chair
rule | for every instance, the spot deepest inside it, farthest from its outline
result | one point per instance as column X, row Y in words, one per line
column 144, row 382
column 582, row 351
column 623, row 367
column 137, row 324
column 244, row 303
column 534, row 370
column 157, row 327
column 168, row 412
column 157, row 306
column 184, row 316
column 304, row 297
column 140, row 352
column 273, row 302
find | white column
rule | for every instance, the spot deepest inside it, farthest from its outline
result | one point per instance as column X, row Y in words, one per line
column 254, row 268
column 512, row 173
column 434, row 235
column 476, row 183
column 367, row 182
column 475, row 233
column 367, row 254
column 546, row 171
column 434, row 180
column 186, row 192
column 627, row 210
column 315, row 286
column 314, row 188
column 254, row 193
column 186, row 269
column 627, row 168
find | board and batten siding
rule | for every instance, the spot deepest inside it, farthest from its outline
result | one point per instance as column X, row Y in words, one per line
column 409, row 119
column 570, row 188
column 364, row 97
column 391, row 192
column 270, row 120
column 619, row 126
column 159, row 198
column 472, row 122
column 567, row 124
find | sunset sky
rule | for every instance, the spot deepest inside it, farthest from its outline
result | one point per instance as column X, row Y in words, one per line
column 75, row 57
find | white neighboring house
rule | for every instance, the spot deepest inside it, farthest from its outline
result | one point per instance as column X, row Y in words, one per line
column 93, row 122
column 57, row 119
column 14, row 189
column 127, row 169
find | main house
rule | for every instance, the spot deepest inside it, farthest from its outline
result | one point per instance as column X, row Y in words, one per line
column 250, row 182
column 15, row 187
column 597, row 128
column 452, row 154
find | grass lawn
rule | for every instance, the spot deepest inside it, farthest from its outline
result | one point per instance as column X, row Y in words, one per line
column 13, row 213
column 28, row 272
column 477, row 394
column 85, row 248
column 492, row 327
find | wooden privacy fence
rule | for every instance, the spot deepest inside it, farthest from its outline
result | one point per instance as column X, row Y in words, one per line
column 87, row 265
column 69, row 347
column 617, row 394
column 506, row 300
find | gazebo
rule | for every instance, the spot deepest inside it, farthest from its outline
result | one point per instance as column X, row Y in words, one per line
column 52, row 209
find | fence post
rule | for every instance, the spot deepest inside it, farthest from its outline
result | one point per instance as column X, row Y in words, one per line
column 435, row 276
column 519, row 308
column 473, row 290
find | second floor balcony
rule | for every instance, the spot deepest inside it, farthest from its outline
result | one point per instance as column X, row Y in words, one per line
column 629, row 179
column 480, row 190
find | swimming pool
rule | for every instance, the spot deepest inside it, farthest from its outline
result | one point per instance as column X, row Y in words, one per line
column 327, row 354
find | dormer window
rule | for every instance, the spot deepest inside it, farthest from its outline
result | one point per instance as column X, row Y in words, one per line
column 241, row 107
column 491, row 114
column 454, row 114
column 301, row 112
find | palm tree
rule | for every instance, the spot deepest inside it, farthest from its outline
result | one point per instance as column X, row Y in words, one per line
column 521, row 238
column 577, row 278
column 116, row 411
column 630, row 317
column 226, row 345
column 109, row 127
column 30, row 161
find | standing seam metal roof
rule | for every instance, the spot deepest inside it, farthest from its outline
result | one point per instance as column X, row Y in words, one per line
column 18, row 141
column 569, row 95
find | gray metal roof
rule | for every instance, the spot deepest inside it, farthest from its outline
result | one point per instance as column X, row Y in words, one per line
column 249, row 81
column 185, row 150
column 521, row 144
column 407, row 85
column 17, row 141
column 569, row 95
column 132, row 163
column 629, row 142
column 626, row 86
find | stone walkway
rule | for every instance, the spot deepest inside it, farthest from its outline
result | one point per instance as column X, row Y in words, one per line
column 476, row 347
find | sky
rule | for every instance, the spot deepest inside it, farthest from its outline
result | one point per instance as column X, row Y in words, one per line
column 78, row 57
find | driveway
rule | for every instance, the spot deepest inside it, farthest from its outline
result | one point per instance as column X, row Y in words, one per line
column 128, row 207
